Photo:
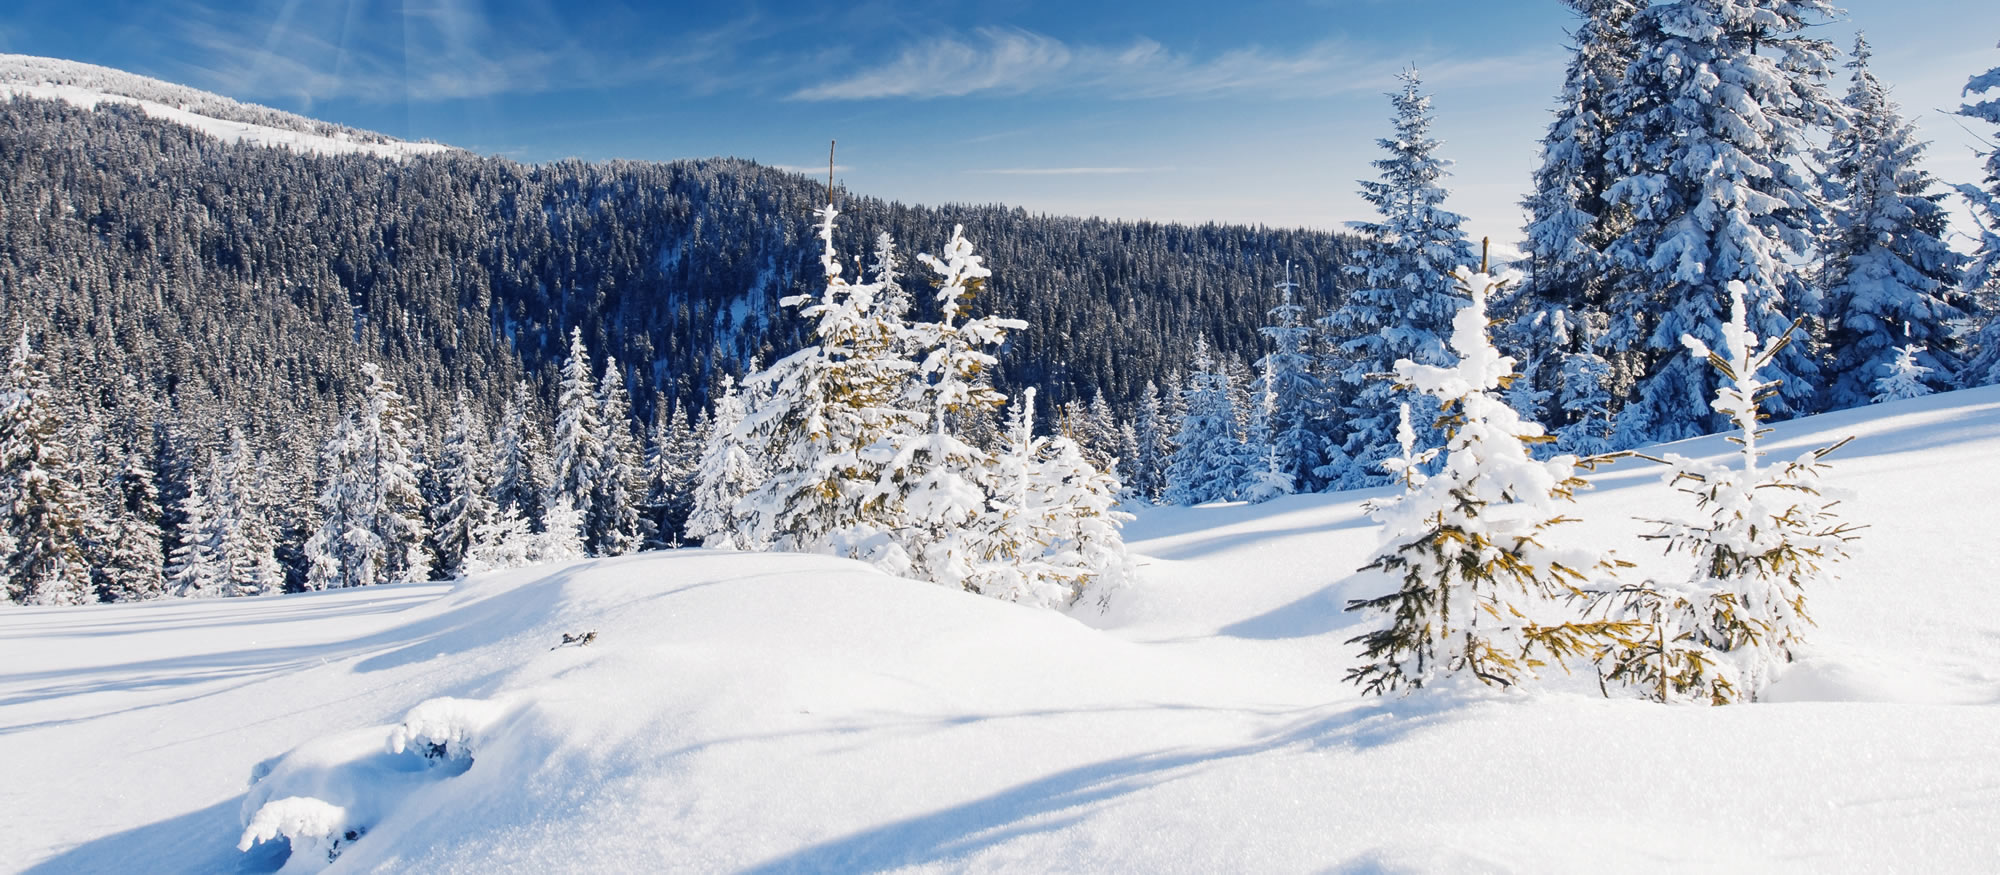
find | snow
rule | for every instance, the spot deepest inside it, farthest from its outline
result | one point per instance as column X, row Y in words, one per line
column 223, row 129
column 774, row 713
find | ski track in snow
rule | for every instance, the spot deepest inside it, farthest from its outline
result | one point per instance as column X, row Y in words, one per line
column 781, row 713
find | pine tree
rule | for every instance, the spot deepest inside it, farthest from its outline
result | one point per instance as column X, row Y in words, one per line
column 580, row 432
column 724, row 477
column 1570, row 222
column 372, row 515
column 1050, row 532
column 934, row 487
column 1903, row 377
column 1982, row 275
column 133, row 568
column 1770, row 536
column 1893, row 280
column 520, row 476
column 1210, row 462
column 42, row 509
column 1154, row 438
column 672, row 460
column 1288, row 395
column 465, row 503
column 1405, row 305
column 247, row 538
column 612, row 522
column 824, row 421
column 199, row 569
column 1713, row 124
column 561, row 539
column 1468, row 551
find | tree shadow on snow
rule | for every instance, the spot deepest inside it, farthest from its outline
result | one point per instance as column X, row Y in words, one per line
column 1067, row 797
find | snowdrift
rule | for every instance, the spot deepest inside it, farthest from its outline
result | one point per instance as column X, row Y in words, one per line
column 774, row 713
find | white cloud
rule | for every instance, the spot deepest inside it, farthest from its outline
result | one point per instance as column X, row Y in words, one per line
column 1012, row 61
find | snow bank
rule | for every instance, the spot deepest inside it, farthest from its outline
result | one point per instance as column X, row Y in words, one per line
column 773, row 713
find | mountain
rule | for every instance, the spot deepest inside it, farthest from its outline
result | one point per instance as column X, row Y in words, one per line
column 797, row 713
column 183, row 277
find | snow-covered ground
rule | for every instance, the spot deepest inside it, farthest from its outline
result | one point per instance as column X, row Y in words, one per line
column 793, row 713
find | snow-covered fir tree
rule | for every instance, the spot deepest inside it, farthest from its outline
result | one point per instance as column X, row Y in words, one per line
column 1210, row 461
column 673, row 456
column 1051, row 530
column 198, row 569
column 1569, row 221
column 1714, row 116
column 465, row 501
column 1405, row 304
column 1982, row 275
column 1903, row 377
column 134, row 568
column 578, row 446
column 561, row 538
column 246, row 539
column 724, row 476
column 372, row 526
column 1582, row 395
column 824, row 421
column 1152, row 435
column 1288, row 394
column 1893, row 281
column 612, row 525
column 1469, row 553
column 520, row 475
column 503, row 541
column 1768, row 535
column 43, row 510
column 934, row 486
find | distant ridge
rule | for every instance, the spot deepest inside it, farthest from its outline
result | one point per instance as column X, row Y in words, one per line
column 88, row 85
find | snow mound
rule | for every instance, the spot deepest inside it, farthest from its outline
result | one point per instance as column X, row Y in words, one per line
column 88, row 85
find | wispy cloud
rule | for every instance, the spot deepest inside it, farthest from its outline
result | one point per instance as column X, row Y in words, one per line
column 432, row 50
column 1012, row 61
column 1069, row 171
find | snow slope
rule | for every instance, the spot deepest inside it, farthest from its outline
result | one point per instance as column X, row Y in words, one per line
column 773, row 713
column 87, row 86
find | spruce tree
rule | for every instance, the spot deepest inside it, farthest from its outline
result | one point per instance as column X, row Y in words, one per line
column 199, row 568
column 579, row 437
column 934, row 486
column 520, row 475
column 1153, row 435
column 612, row 522
column 465, row 503
column 672, row 459
column 1569, row 221
column 1405, row 304
column 823, row 419
column 1469, row 551
column 1982, row 275
column 43, row 510
column 1714, row 119
column 372, row 527
column 1210, row 461
column 1892, row 278
column 1770, row 535
column 725, row 475
column 133, row 568
column 1289, row 394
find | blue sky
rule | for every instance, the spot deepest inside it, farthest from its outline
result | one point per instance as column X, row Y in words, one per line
column 1246, row 111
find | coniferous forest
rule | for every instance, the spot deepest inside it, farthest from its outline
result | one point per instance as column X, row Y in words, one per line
column 236, row 369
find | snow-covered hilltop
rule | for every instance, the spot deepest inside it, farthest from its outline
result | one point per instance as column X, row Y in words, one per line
column 788, row 712
column 88, row 85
